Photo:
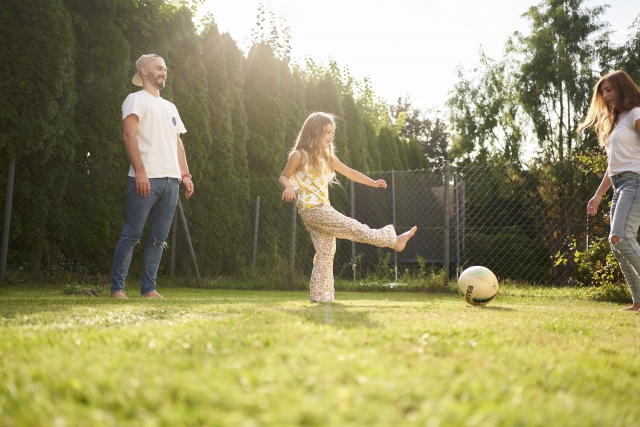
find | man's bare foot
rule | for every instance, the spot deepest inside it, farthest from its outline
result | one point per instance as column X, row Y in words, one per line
column 118, row 295
column 152, row 294
column 401, row 240
column 634, row 307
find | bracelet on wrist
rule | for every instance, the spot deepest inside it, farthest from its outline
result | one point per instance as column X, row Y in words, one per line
column 187, row 175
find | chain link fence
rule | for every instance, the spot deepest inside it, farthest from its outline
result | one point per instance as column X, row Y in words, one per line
column 529, row 226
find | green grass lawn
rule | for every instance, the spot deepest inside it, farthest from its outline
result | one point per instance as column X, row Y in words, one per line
column 258, row 358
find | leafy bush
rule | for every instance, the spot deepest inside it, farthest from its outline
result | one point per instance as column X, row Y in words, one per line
column 598, row 269
column 597, row 266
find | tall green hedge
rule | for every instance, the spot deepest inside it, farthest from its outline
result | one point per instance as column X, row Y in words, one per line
column 67, row 68
column 37, row 127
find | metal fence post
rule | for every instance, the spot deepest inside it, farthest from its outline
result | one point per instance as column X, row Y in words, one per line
column 586, row 248
column 292, row 244
column 353, row 215
column 189, row 245
column 456, row 192
column 255, row 235
column 6, row 225
column 174, row 241
column 446, row 222
column 393, row 201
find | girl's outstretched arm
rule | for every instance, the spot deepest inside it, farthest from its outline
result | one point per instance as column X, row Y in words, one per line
column 356, row 176
column 294, row 162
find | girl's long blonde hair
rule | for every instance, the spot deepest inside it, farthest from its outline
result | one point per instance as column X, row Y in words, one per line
column 310, row 137
column 604, row 118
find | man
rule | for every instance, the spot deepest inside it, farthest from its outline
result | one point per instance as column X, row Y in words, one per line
column 151, row 129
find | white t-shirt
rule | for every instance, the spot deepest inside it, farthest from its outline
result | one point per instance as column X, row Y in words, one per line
column 623, row 144
column 158, row 130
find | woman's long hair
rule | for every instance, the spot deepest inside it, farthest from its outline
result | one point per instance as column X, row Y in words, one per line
column 602, row 117
column 310, row 140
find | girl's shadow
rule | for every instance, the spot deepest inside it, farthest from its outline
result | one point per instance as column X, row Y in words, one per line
column 336, row 314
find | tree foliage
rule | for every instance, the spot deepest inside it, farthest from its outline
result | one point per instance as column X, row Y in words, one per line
column 60, row 118
column 485, row 115
column 265, row 113
column 556, row 78
column 539, row 91
column 428, row 131
column 630, row 52
column 37, row 84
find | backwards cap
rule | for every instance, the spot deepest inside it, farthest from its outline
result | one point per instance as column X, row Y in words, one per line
column 141, row 62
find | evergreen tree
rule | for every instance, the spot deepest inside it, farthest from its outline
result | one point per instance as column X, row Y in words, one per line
column 266, row 153
column 242, row 116
column 403, row 153
column 416, row 157
column 323, row 96
column 190, row 78
column 37, row 91
column 218, row 98
column 102, row 83
column 190, row 73
column 388, row 147
column 238, row 184
column 265, row 113
column 294, row 103
column 372, row 150
column 356, row 135
column 235, row 73
column 37, row 98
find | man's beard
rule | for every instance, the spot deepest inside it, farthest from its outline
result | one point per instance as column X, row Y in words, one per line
column 159, row 83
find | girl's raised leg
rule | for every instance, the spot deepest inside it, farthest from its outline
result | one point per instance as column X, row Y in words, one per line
column 401, row 240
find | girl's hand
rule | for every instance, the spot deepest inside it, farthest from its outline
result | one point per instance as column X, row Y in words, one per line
column 289, row 194
column 381, row 183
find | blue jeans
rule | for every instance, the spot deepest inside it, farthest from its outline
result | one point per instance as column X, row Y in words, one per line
column 159, row 207
column 625, row 220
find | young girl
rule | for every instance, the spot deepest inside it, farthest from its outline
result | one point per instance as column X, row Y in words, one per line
column 311, row 167
column 615, row 115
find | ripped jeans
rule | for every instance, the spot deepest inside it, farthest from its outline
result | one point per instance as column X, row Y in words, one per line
column 625, row 220
column 158, row 207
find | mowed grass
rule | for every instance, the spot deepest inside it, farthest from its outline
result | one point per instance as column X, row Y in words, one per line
column 261, row 358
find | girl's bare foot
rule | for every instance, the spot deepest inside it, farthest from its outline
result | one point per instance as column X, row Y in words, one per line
column 401, row 240
column 634, row 307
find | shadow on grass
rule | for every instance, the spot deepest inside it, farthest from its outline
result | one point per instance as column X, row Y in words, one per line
column 493, row 308
column 29, row 300
column 337, row 315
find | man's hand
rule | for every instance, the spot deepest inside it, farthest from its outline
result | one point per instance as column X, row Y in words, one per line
column 188, row 184
column 143, row 186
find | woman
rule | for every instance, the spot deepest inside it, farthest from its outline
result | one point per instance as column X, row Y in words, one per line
column 614, row 114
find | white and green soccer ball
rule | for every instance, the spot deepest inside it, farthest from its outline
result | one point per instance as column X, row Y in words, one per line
column 478, row 285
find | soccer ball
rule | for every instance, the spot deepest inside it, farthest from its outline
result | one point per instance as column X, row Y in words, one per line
column 478, row 285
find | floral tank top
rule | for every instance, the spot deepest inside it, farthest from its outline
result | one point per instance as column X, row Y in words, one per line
column 313, row 184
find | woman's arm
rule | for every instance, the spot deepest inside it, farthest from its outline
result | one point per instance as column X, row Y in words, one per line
column 592, row 206
column 356, row 176
column 294, row 162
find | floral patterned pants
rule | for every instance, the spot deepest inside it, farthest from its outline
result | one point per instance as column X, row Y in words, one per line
column 325, row 224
